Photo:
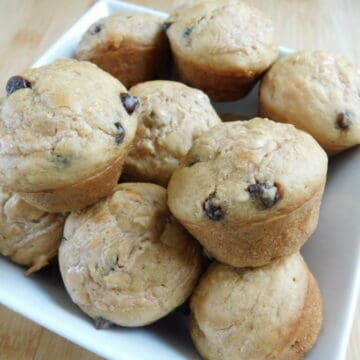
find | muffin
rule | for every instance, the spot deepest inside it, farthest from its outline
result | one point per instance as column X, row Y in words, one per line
column 317, row 92
column 28, row 236
column 273, row 312
column 221, row 47
column 65, row 130
column 132, row 47
column 171, row 117
column 250, row 191
column 126, row 260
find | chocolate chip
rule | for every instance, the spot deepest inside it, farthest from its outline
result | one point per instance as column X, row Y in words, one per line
column 116, row 264
column 214, row 212
column 188, row 31
column 187, row 35
column 344, row 120
column 266, row 193
column 130, row 102
column 61, row 161
column 119, row 137
column 101, row 323
column 96, row 29
column 16, row 83
column 165, row 26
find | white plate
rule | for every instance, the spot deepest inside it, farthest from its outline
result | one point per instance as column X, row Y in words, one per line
column 332, row 254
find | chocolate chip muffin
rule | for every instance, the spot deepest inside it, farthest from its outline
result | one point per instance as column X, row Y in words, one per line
column 126, row 260
column 273, row 312
column 250, row 190
column 318, row 92
column 221, row 47
column 172, row 116
column 28, row 236
column 65, row 130
column 132, row 47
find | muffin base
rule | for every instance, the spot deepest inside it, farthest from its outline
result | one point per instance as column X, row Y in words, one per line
column 79, row 195
column 255, row 244
column 219, row 86
column 133, row 64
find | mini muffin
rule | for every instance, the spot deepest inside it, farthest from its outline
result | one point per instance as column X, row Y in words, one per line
column 273, row 312
column 318, row 92
column 65, row 130
column 171, row 117
column 221, row 47
column 133, row 47
column 126, row 260
column 28, row 236
column 250, row 190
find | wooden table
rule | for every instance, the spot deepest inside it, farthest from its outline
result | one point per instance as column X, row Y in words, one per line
column 30, row 26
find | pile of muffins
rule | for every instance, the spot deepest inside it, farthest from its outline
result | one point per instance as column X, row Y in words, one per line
column 138, row 184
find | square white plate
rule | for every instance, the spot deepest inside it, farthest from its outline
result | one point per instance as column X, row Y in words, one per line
column 332, row 253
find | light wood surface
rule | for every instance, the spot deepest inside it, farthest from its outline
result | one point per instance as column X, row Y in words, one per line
column 30, row 26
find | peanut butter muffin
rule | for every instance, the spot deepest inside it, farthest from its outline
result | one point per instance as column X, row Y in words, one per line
column 132, row 47
column 28, row 236
column 221, row 47
column 65, row 130
column 318, row 92
column 272, row 312
column 126, row 260
column 250, row 190
column 171, row 117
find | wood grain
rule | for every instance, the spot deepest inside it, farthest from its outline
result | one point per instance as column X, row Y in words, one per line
column 31, row 26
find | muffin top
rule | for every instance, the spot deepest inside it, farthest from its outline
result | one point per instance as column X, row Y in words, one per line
column 27, row 235
column 122, row 29
column 172, row 115
column 223, row 35
column 62, row 123
column 318, row 92
column 126, row 259
column 247, row 170
column 249, row 313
